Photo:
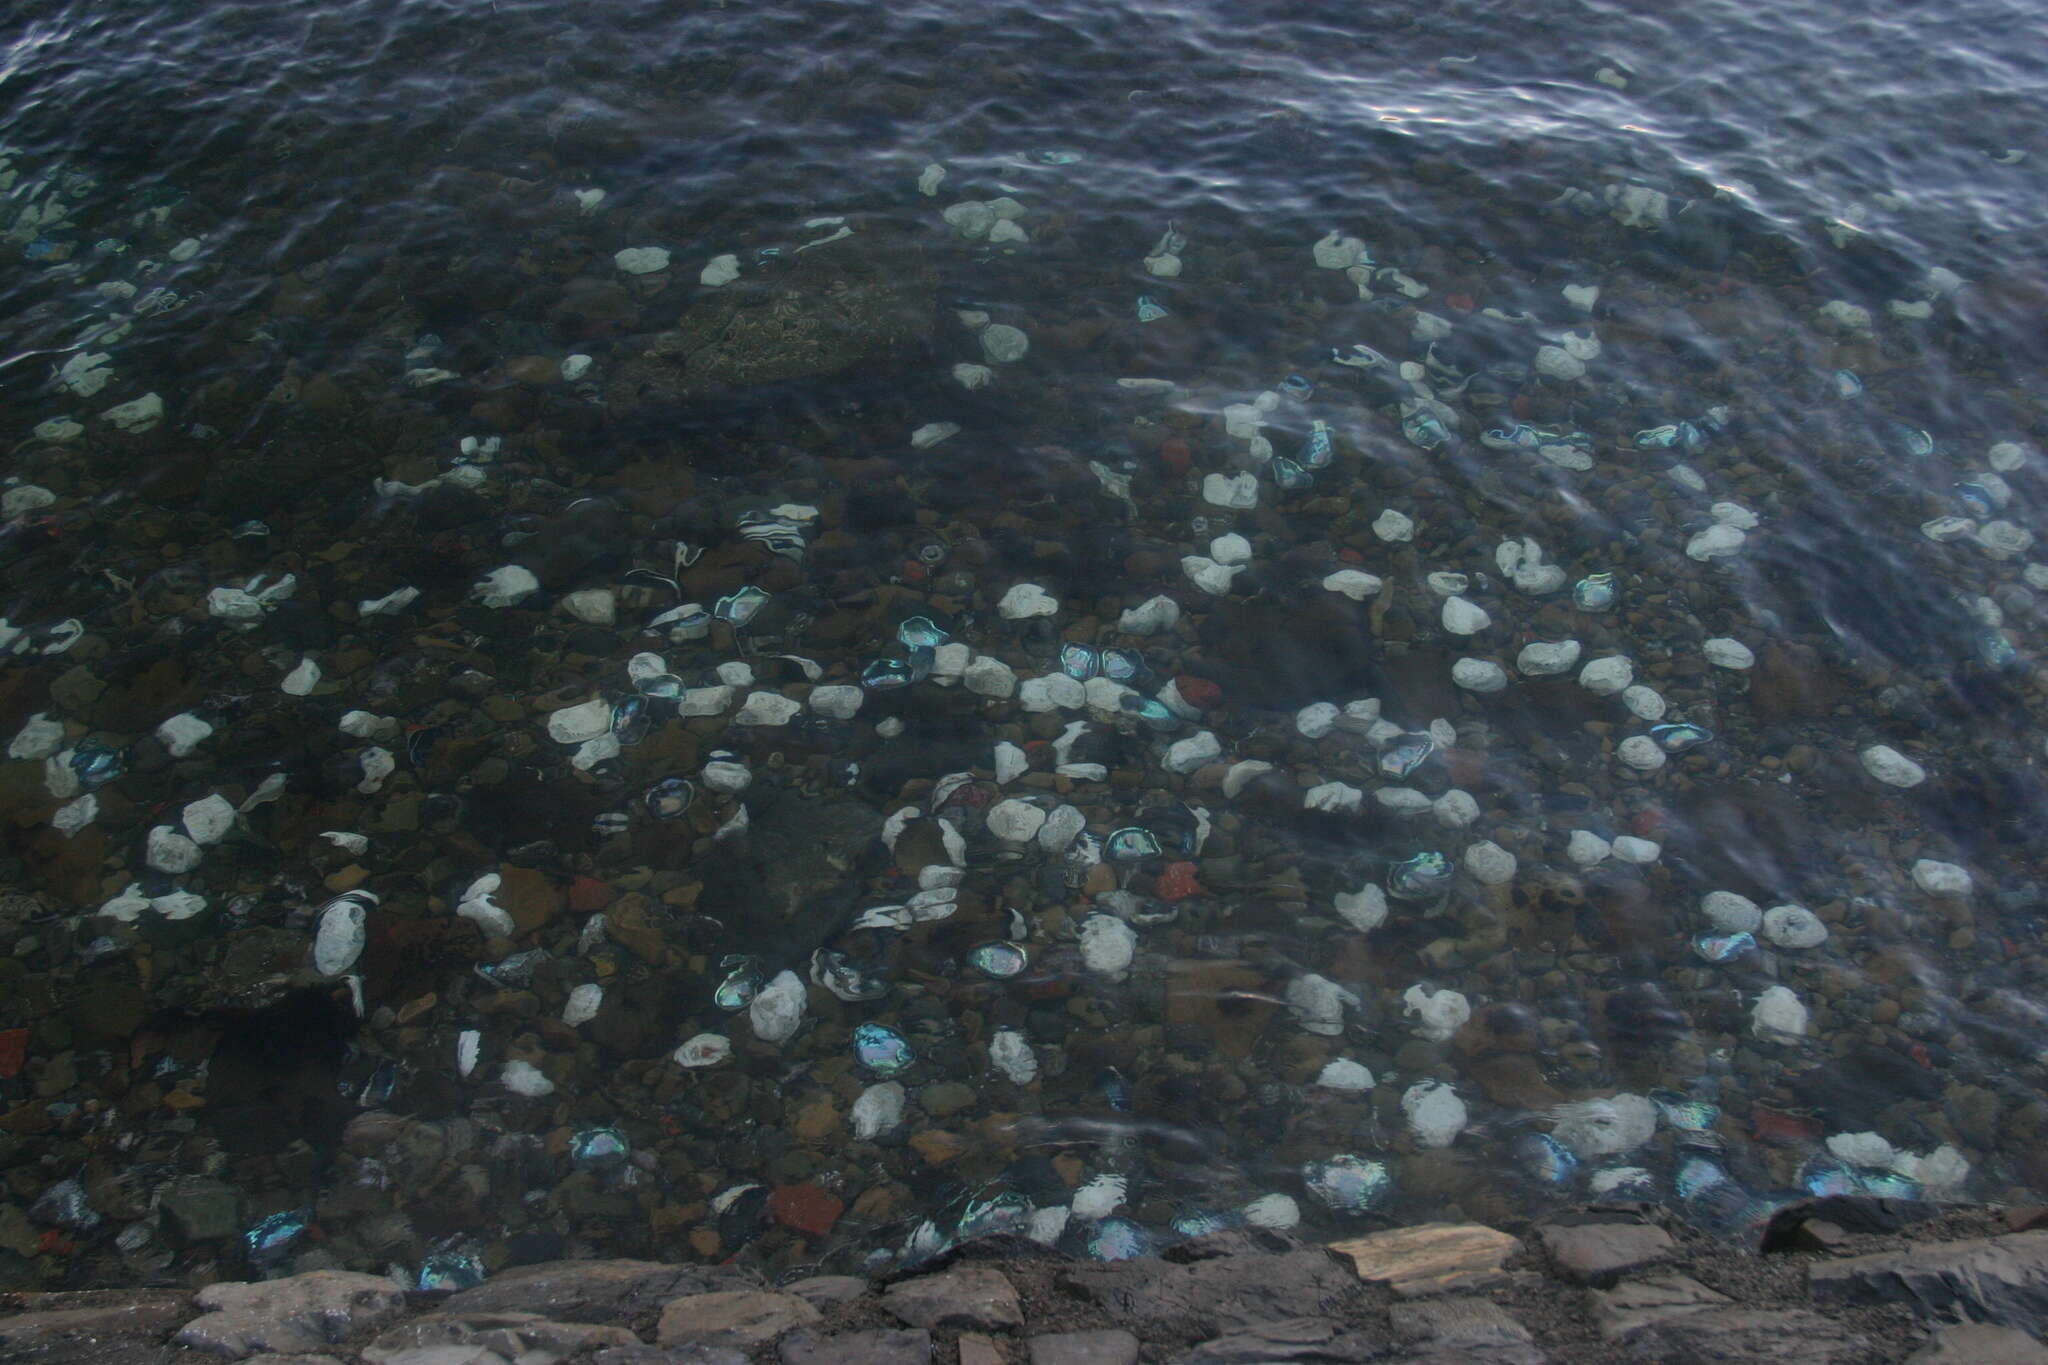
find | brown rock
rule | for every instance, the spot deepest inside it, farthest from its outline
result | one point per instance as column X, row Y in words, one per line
column 580, row 1291
column 301, row 1313
column 976, row 1349
column 42, row 1322
column 971, row 1297
column 876, row 1347
column 740, row 1318
column 1108, row 1347
column 1600, row 1253
column 1791, row 682
column 1432, row 1258
column 2001, row 1280
column 1980, row 1343
column 528, row 896
column 1230, row 1002
column 1637, row 1304
column 1748, row 1336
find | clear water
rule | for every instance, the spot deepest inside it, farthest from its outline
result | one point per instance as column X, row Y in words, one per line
column 335, row 242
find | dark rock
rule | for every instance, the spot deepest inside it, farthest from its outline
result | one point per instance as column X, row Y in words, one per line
column 822, row 1291
column 1109, row 1347
column 510, row 1335
column 1214, row 1296
column 691, row 1354
column 45, row 1322
column 1848, row 1213
column 743, row 1318
column 2001, row 1280
column 203, row 1212
column 1600, row 1253
column 879, row 1347
column 1291, row 1339
column 1747, row 1336
column 302, row 1313
column 1637, row 1304
column 1463, row 1330
column 970, row 1298
column 1979, row 1343
column 581, row 1291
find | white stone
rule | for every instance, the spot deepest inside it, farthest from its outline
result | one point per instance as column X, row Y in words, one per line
column 377, row 764
column 1491, row 864
column 1344, row 1076
column 1099, row 1197
column 1007, row 231
column 1733, row 514
column 1723, row 652
column 1586, row 849
column 390, row 604
column 702, row 1050
column 1364, row 909
column 970, row 218
column 1198, row 749
column 1715, row 542
column 1845, row 316
column 727, row 776
column 1479, row 675
column 1354, row 584
column 1166, row 266
column 1274, row 1212
column 1393, row 526
column 767, row 708
column 1646, row 703
column 1557, row 363
column 1360, row 715
column 1642, row 753
column 1208, row 575
column 208, row 820
column 1462, row 617
column 1455, row 809
column 1582, row 296
column 704, row 701
column 583, row 1003
column 1055, row 691
column 1607, row 676
column 347, row 841
column 1231, row 549
column 719, row 271
column 74, row 816
column 1862, row 1149
column 950, row 660
column 778, row 1009
column 1010, row 1053
column 85, row 373
column 1107, row 945
column 641, row 260
column 22, row 498
column 38, row 738
column 988, row 676
column 1004, row 344
column 1891, row 767
column 1401, row 800
column 63, row 428
column 969, row 376
column 1318, row 1004
column 1061, row 828
column 182, row 733
column 575, row 724
column 137, row 415
column 1439, row 1014
column 1336, row 798
column 1015, row 821
column 930, row 178
column 1445, row 584
column 1316, row 719
column 1026, row 600
column 2003, row 539
column 1335, row 251
column 1236, row 491
column 1435, row 1113
column 574, row 367
column 1941, row 879
column 506, row 587
column 2006, row 456
column 836, row 701
column 1778, row 1013
column 1794, row 926
column 168, row 850
column 524, row 1078
column 301, row 681
column 338, row 941
column 932, row 433
column 1641, row 852
column 476, row 905
column 592, row 606
column 1241, row 773
column 1731, row 913
column 1153, row 616
column 736, row 673
column 1638, row 206
column 878, row 1110
column 1544, row 658
column 1605, row 1127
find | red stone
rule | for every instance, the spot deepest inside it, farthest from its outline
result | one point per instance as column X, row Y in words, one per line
column 1771, row 1125
column 805, row 1208
column 13, row 1052
column 1464, row 303
column 1177, row 883
column 1649, row 822
column 1199, row 693
column 1522, row 407
column 587, row 894
column 1175, row 455
column 1350, row 556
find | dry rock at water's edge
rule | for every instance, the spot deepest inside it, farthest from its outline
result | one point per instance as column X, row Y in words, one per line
column 1675, row 1317
column 1980, row 1343
column 2001, row 1280
column 971, row 1298
column 1225, row 1294
column 50, row 1320
column 511, row 1336
column 304, row 1313
column 615, row 1291
column 1600, row 1253
column 695, row 1353
column 1432, row 1258
column 878, row 1347
column 1324, row 1341
column 1462, row 1329
column 1112, row 1347
column 741, row 1318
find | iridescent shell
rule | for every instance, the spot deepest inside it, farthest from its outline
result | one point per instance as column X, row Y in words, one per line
column 1117, row 1239
column 1684, row 1113
column 987, row 1216
column 1347, row 1184
column 1996, row 648
column 1975, row 498
column 514, row 971
column 845, row 978
column 736, row 609
column 1152, row 714
column 1891, row 1185
column 882, row 1049
column 1405, row 754
column 1823, row 1177
column 1679, row 737
column 1150, row 309
column 599, row 1149
column 1080, row 662
column 1915, row 441
column 1131, row 844
column 998, row 958
column 1423, row 429
column 1289, row 476
column 1594, row 592
column 1116, row 1088
column 666, row 686
column 630, row 721
column 270, row 1239
column 1545, row 1158
column 1697, row 1175
column 1723, row 947
column 450, row 1270
column 1297, row 386
column 1848, row 384
column 882, row 675
column 1122, row 665
column 1658, row 438
column 670, row 797
column 743, row 981
column 1424, row 877
column 1200, row 1222
column 921, row 632
column 95, row 765
column 1318, row 450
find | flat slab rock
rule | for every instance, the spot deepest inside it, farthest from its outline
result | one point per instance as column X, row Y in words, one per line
column 2001, row 1280
column 613, row 1291
column 93, row 1313
column 1313, row 1340
column 694, row 1353
column 302, row 1314
column 1110, row 1347
column 511, row 1336
column 1462, row 1330
column 969, row 1298
column 1980, row 1343
column 1221, row 1295
column 739, row 1318
column 1676, row 1318
column 1430, row 1258
column 1600, row 1253
column 882, row 1346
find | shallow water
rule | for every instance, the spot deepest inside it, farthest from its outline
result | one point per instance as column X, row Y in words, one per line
column 346, row 252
